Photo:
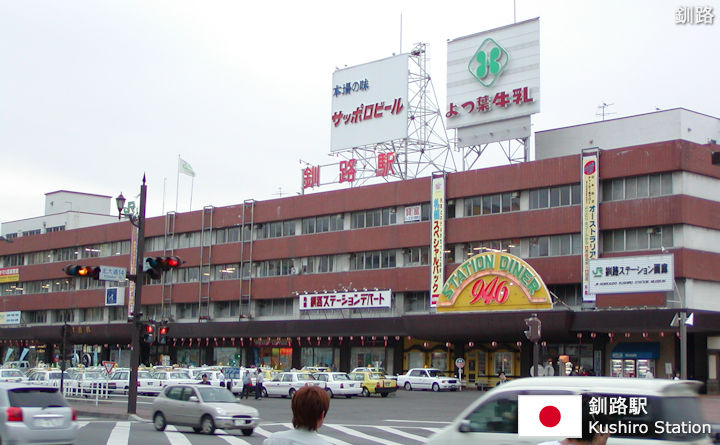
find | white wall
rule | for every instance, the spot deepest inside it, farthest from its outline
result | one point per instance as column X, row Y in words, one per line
column 702, row 295
column 669, row 125
column 64, row 201
column 692, row 184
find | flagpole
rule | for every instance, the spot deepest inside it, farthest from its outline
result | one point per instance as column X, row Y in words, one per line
column 164, row 189
column 192, row 183
column 177, row 185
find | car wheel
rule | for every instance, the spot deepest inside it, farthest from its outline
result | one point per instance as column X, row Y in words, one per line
column 197, row 429
column 330, row 393
column 159, row 421
column 264, row 394
column 207, row 425
column 365, row 392
column 348, row 397
column 408, row 386
column 384, row 394
column 292, row 392
column 436, row 387
column 247, row 432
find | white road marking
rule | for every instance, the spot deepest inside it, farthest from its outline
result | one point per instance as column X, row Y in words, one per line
column 263, row 432
column 120, row 434
column 352, row 432
column 328, row 438
column 175, row 437
column 417, row 421
column 81, row 424
column 229, row 438
column 434, row 430
column 402, row 433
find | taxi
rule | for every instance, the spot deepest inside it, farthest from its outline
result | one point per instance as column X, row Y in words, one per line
column 374, row 383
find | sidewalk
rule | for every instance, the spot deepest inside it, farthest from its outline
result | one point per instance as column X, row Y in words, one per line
column 110, row 409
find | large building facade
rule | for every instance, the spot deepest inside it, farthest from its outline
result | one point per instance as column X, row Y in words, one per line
column 240, row 297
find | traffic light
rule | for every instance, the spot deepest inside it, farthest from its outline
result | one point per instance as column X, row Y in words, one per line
column 148, row 333
column 533, row 329
column 154, row 267
column 82, row 271
column 162, row 334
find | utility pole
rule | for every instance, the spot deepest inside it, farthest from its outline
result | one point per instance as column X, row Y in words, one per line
column 533, row 333
column 139, row 222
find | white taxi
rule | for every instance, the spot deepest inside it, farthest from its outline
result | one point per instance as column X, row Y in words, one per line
column 339, row 384
column 427, row 378
column 287, row 383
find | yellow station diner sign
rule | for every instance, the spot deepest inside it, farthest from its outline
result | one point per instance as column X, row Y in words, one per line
column 494, row 281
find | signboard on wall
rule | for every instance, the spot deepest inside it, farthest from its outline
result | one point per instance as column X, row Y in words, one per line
column 346, row 300
column 493, row 83
column 437, row 236
column 369, row 103
column 12, row 317
column 494, row 281
column 645, row 273
column 9, row 275
column 413, row 213
column 590, row 215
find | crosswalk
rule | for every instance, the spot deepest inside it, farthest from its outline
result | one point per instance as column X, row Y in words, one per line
column 143, row 433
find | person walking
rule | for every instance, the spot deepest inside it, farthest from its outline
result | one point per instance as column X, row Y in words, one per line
column 247, row 384
column 310, row 405
column 259, row 385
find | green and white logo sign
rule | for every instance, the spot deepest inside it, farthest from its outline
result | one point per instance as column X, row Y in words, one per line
column 488, row 62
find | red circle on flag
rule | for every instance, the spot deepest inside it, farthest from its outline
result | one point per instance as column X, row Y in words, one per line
column 549, row 416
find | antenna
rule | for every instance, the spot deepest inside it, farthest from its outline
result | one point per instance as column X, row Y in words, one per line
column 602, row 111
column 400, row 52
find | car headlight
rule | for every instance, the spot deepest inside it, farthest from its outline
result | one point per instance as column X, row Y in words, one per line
column 221, row 411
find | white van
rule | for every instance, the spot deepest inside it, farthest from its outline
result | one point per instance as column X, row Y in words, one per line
column 493, row 418
column 22, row 365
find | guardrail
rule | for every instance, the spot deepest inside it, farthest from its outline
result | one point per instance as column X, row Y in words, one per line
column 97, row 390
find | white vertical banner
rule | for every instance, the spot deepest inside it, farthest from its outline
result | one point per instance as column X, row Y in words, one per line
column 590, row 215
column 437, row 236
column 133, row 270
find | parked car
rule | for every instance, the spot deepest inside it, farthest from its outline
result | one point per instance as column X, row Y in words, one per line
column 374, row 383
column 12, row 375
column 493, row 417
column 35, row 415
column 147, row 384
column 427, row 378
column 165, row 378
column 22, row 365
column 287, row 383
column 202, row 407
column 339, row 383
column 216, row 378
column 47, row 377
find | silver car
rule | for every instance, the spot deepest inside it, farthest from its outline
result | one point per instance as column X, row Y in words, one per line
column 202, row 407
column 35, row 415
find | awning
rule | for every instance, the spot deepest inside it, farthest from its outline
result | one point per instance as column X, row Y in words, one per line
column 647, row 350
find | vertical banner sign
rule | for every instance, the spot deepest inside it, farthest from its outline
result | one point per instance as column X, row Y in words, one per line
column 133, row 269
column 590, row 215
column 437, row 237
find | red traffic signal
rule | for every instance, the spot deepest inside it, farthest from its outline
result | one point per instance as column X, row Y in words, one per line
column 82, row 271
column 157, row 265
column 162, row 334
column 148, row 333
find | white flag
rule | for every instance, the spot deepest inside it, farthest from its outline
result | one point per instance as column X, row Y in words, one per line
column 185, row 168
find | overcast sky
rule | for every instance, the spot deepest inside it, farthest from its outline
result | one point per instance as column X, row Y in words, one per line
column 94, row 94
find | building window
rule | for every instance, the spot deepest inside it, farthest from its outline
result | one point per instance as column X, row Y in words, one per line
column 642, row 238
column 226, row 309
column 416, row 256
column 491, row 204
column 274, row 307
column 507, row 245
column 91, row 314
column 32, row 232
column 560, row 196
column 117, row 313
column 372, row 260
column 35, row 316
column 63, row 315
column 320, row 264
column 13, row 260
column 55, row 229
column 619, row 189
column 570, row 294
column 187, row 310
column 503, row 362
column 275, row 268
column 416, row 302
column 555, row 245
column 373, row 218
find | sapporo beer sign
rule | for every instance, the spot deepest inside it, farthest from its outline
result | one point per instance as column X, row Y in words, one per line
column 494, row 281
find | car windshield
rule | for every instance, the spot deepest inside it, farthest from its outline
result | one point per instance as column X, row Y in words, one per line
column 180, row 375
column 305, row 377
column 144, row 375
column 94, row 375
column 436, row 373
column 211, row 394
column 36, row 397
column 12, row 373
column 666, row 410
column 376, row 375
column 340, row 377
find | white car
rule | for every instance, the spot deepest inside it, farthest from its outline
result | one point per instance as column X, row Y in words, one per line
column 165, row 378
column 493, row 418
column 147, row 384
column 427, row 378
column 47, row 378
column 339, row 384
column 216, row 378
column 12, row 375
column 119, row 381
column 287, row 383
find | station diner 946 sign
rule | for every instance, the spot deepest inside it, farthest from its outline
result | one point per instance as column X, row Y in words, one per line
column 346, row 300
column 493, row 83
column 369, row 103
column 647, row 273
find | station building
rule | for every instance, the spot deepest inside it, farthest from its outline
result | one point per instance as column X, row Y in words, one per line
column 247, row 292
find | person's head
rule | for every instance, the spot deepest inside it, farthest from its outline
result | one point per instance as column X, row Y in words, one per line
column 502, row 376
column 204, row 377
column 310, row 404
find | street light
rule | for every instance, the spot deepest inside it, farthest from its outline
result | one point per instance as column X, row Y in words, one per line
column 139, row 222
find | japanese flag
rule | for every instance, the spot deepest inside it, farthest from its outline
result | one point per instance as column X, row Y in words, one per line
column 550, row 415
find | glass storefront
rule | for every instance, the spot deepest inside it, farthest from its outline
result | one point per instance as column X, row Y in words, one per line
column 228, row 356
column 329, row 357
column 567, row 357
column 188, row 356
column 276, row 357
column 372, row 356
